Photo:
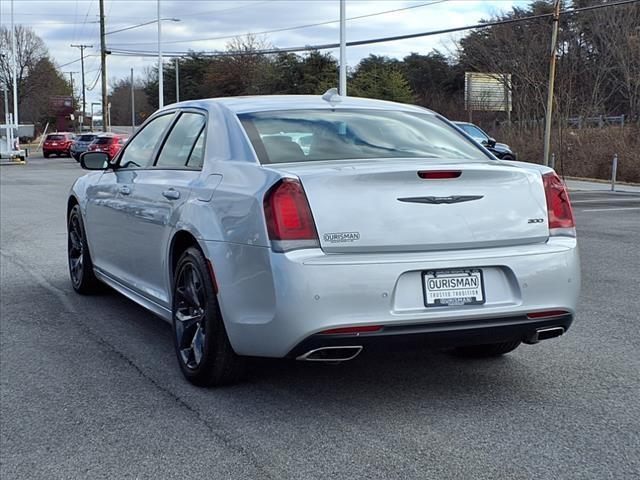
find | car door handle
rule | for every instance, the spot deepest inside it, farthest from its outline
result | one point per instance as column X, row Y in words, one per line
column 124, row 190
column 171, row 194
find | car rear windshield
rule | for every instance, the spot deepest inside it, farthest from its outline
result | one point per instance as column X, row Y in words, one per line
column 316, row 135
column 86, row 138
column 103, row 140
column 56, row 137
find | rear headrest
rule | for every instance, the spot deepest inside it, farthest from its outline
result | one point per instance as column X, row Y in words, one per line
column 281, row 149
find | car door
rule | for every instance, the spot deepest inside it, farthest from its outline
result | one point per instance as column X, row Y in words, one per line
column 111, row 213
column 156, row 199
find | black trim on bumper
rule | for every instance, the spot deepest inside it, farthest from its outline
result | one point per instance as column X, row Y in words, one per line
column 437, row 334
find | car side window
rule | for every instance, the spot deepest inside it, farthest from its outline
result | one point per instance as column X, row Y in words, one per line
column 139, row 152
column 181, row 141
column 196, row 159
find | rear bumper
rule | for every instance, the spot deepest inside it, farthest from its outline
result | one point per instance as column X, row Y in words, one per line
column 56, row 149
column 438, row 335
column 272, row 302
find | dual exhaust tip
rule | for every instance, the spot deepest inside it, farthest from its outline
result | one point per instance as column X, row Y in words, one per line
column 345, row 353
column 331, row 354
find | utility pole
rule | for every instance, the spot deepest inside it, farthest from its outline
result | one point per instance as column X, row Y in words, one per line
column 103, row 68
column 552, row 78
column 82, row 47
column 177, row 80
column 343, row 50
column 71, row 77
column 14, row 54
column 133, row 108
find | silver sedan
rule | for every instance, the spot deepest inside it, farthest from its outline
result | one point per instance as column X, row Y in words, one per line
column 312, row 228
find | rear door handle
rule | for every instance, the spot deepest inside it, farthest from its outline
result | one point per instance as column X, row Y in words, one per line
column 171, row 194
column 124, row 190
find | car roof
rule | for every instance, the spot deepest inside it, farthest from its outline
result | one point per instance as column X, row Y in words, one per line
column 263, row 103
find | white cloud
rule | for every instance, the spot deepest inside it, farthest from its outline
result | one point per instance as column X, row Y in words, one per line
column 61, row 23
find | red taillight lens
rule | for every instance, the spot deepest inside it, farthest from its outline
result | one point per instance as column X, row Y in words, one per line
column 558, row 206
column 351, row 330
column 289, row 220
column 439, row 174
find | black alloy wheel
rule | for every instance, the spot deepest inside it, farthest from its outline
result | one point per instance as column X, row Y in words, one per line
column 202, row 346
column 83, row 279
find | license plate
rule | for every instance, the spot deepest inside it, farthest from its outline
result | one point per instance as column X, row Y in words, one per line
column 453, row 287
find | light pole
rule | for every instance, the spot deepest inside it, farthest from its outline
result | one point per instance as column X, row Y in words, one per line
column 92, row 104
column 159, row 22
column 15, row 69
column 343, row 50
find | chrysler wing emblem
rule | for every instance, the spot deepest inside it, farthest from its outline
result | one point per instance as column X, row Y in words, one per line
column 437, row 200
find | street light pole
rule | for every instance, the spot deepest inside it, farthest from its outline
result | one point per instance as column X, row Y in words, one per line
column 133, row 107
column 177, row 80
column 15, row 69
column 160, row 85
column 103, row 67
column 343, row 49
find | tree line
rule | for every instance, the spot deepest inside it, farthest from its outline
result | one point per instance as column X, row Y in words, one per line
column 598, row 69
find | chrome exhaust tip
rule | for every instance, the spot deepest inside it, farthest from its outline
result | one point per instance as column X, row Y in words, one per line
column 331, row 354
column 545, row 334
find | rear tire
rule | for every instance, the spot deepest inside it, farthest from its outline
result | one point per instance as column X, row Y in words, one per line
column 202, row 346
column 45, row 154
column 83, row 279
column 488, row 350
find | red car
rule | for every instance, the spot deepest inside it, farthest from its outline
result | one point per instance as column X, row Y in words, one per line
column 111, row 143
column 58, row 143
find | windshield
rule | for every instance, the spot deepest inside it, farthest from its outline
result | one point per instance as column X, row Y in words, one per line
column 55, row 137
column 86, row 138
column 315, row 135
column 474, row 131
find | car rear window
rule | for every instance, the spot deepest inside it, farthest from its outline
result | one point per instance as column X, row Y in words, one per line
column 86, row 138
column 341, row 134
column 103, row 140
column 56, row 137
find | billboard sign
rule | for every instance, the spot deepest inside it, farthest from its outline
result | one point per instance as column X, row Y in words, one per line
column 487, row 91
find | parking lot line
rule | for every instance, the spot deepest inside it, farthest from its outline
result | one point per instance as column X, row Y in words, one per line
column 608, row 209
column 612, row 200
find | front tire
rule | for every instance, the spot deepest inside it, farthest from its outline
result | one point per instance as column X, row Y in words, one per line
column 488, row 350
column 202, row 346
column 83, row 279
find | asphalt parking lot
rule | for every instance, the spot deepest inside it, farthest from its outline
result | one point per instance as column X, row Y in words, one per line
column 89, row 386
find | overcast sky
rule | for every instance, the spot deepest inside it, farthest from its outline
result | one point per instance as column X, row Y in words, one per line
column 202, row 23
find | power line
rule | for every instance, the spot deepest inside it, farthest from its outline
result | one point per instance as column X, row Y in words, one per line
column 329, row 46
column 285, row 29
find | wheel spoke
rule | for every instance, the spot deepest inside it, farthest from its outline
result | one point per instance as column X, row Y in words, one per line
column 186, row 320
column 197, row 345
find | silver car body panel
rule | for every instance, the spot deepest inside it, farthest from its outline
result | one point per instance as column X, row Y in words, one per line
column 272, row 301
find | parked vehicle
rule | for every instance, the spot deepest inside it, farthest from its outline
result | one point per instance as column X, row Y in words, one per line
column 58, row 143
column 500, row 150
column 391, row 227
column 110, row 143
column 81, row 144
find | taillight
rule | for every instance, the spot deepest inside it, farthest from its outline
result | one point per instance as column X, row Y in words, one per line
column 289, row 220
column 558, row 206
column 352, row 330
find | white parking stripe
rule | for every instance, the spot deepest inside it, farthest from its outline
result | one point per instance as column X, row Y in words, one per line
column 612, row 200
column 607, row 209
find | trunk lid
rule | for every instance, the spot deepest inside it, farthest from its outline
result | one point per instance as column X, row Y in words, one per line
column 385, row 206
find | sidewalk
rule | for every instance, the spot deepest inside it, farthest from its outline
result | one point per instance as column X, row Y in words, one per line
column 590, row 186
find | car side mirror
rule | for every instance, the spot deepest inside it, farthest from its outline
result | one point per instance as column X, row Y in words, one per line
column 491, row 142
column 94, row 161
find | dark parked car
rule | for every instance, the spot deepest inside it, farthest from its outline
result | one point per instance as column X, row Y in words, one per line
column 500, row 150
column 58, row 143
column 81, row 144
